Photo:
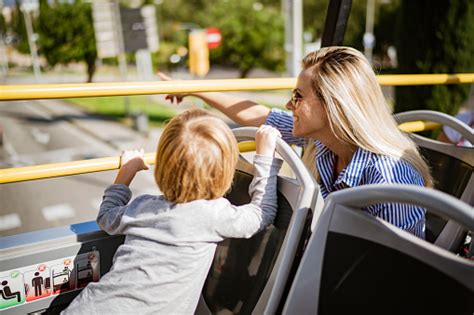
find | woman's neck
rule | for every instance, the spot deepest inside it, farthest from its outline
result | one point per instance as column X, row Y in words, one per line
column 342, row 150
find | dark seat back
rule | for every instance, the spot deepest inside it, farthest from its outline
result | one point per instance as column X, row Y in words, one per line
column 452, row 171
column 241, row 267
column 356, row 263
column 451, row 176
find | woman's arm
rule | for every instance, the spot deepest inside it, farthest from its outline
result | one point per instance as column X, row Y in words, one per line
column 242, row 111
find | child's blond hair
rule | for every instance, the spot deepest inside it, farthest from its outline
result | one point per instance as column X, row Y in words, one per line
column 196, row 157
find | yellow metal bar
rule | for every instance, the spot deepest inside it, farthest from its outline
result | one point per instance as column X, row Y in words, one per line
column 50, row 91
column 53, row 91
column 425, row 79
column 20, row 174
column 417, row 126
column 247, row 146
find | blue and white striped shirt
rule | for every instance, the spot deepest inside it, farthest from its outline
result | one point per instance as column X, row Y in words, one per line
column 364, row 168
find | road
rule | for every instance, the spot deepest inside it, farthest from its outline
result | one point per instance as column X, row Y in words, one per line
column 36, row 132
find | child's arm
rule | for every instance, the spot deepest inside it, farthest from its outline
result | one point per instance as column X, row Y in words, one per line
column 117, row 196
column 246, row 220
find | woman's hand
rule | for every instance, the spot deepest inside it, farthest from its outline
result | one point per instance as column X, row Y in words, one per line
column 172, row 97
column 131, row 162
column 266, row 140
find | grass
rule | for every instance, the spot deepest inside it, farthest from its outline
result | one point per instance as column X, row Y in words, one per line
column 158, row 113
column 114, row 107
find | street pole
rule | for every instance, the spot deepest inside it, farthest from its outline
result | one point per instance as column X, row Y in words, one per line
column 3, row 57
column 122, row 59
column 292, row 11
column 297, row 12
column 32, row 43
column 285, row 12
column 369, row 38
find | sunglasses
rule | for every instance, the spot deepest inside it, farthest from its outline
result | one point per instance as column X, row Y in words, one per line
column 296, row 98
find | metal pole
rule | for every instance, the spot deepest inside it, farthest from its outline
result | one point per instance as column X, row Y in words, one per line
column 3, row 57
column 286, row 13
column 27, row 173
column 70, row 90
column 369, row 30
column 122, row 59
column 336, row 21
column 292, row 11
column 32, row 44
column 297, row 21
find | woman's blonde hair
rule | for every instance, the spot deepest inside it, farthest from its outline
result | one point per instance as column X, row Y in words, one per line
column 344, row 81
column 196, row 157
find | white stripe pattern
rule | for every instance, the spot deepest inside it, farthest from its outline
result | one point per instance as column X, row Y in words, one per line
column 58, row 212
column 9, row 221
column 365, row 168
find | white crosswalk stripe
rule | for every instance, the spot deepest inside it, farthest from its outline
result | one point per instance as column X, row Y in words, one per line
column 9, row 221
column 59, row 211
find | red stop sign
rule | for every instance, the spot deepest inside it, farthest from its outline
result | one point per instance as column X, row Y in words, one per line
column 214, row 37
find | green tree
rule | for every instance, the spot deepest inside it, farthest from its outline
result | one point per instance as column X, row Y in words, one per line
column 3, row 26
column 385, row 25
column 67, row 34
column 253, row 35
column 19, row 30
column 435, row 37
column 314, row 16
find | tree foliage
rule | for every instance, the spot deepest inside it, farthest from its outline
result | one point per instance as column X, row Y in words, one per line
column 67, row 34
column 435, row 37
column 252, row 31
column 3, row 26
column 253, row 35
column 314, row 16
column 19, row 30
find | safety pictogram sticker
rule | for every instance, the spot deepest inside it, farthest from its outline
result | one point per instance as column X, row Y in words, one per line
column 37, row 283
column 11, row 287
column 30, row 283
column 63, row 277
column 87, row 269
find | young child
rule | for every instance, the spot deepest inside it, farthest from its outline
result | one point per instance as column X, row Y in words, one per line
column 171, row 239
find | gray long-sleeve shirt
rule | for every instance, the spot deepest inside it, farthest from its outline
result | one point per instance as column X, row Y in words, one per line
column 169, row 248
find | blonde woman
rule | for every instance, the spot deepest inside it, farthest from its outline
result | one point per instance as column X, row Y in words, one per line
column 339, row 114
column 170, row 239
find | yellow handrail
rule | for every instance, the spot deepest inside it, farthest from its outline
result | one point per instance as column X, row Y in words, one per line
column 50, row 91
column 417, row 126
column 425, row 79
column 20, row 174
column 26, row 173
column 53, row 91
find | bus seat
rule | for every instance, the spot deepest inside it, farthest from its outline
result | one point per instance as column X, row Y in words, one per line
column 246, row 276
column 250, row 276
column 452, row 170
column 356, row 263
